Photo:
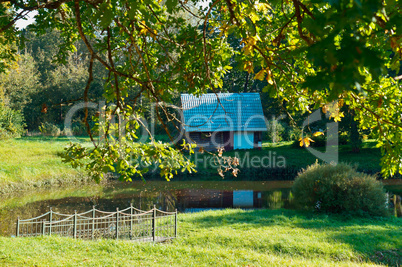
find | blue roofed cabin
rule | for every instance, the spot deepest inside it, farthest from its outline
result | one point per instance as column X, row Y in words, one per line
column 229, row 120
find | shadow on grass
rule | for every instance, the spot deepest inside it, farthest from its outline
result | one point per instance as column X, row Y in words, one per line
column 381, row 246
column 377, row 239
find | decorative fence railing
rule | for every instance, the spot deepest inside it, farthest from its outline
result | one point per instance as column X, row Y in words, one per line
column 154, row 225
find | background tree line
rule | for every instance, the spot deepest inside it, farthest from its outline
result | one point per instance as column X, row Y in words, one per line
column 37, row 92
column 40, row 89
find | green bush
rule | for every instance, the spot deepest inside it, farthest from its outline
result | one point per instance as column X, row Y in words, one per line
column 80, row 129
column 292, row 133
column 49, row 129
column 11, row 123
column 276, row 131
column 339, row 189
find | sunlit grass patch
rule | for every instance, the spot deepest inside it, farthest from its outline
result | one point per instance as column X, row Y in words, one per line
column 31, row 161
column 229, row 238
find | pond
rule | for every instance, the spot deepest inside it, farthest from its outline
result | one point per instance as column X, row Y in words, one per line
column 168, row 196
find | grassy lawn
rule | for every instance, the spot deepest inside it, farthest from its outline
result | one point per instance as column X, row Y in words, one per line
column 33, row 162
column 229, row 238
column 295, row 159
column 226, row 237
column 367, row 159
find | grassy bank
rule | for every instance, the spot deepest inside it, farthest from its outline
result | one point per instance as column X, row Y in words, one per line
column 367, row 160
column 297, row 157
column 229, row 238
column 35, row 162
column 30, row 162
column 281, row 161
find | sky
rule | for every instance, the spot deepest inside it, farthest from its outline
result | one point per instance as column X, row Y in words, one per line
column 21, row 23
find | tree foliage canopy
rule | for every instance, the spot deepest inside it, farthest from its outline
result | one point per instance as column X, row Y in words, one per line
column 310, row 53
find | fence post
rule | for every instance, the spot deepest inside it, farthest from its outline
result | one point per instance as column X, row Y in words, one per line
column 50, row 221
column 75, row 224
column 18, row 227
column 131, row 220
column 93, row 222
column 154, row 223
column 43, row 227
column 117, row 223
column 175, row 223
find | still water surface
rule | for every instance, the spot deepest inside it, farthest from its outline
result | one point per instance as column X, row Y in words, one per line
column 184, row 196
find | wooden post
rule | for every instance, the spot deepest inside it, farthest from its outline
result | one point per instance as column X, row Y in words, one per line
column 117, row 223
column 75, row 224
column 154, row 224
column 43, row 227
column 175, row 224
column 50, row 221
column 18, row 227
column 93, row 222
column 131, row 220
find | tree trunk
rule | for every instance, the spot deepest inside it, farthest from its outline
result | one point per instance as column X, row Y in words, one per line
column 246, row 83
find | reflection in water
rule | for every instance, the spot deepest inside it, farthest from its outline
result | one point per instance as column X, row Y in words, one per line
column 185, row 196
column 190, row 200
column 245, row 198
column 396, row 205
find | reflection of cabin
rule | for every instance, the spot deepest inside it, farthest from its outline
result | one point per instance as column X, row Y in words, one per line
column 191, row 200
column 232, row 121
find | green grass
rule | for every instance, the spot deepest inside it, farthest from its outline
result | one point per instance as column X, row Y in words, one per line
column 295, row 157
column 229, row 238
column 33, row 162
column 367, row 159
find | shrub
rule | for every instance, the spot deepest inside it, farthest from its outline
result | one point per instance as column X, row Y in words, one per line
column 49, row 129
column 292, row 133
column 275, row 131
column 339, row 189
column 80, row 129
column 11, row 122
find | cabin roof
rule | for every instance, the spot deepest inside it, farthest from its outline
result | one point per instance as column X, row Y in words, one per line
column 233, row 112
